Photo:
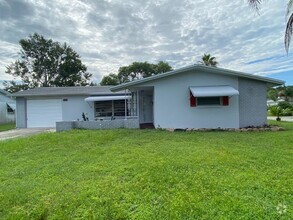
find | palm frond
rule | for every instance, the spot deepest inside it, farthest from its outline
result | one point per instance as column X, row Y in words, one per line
column 288, row 33
column 255, row 3
column 289, row 8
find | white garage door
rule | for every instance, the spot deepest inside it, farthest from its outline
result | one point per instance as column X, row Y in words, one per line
column 43, row 113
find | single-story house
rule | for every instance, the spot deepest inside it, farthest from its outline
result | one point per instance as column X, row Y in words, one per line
column 199, row 96
column 195, row 96
column 7, row 107
column 44, row 106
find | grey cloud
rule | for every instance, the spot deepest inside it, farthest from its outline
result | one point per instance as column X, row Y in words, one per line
column 108, row 34
column 16, row 9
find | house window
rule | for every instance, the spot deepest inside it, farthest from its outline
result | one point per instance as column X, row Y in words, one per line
column 103, row 109
column 9, row 109
column 209, row 100
column 119, row 107
column 112, row 108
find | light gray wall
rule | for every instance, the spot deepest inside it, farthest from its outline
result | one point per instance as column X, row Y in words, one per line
column 75, row 106
column 20, row 112
column 131, row 123
column 252, row 102
column 72, row 109
column 4, row 116
column 172, row 107
column 4, row 98
column 3, row 113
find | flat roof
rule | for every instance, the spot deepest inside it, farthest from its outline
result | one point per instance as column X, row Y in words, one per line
column 73, row 90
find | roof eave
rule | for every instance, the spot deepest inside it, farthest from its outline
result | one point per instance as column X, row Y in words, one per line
column 151, row 78
column 270, row 82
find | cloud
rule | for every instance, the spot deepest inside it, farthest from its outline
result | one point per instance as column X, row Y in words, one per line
column 111, row 33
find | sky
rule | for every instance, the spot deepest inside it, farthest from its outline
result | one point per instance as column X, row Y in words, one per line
column 108, row 34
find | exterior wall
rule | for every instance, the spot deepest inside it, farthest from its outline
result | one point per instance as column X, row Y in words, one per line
column 20, row 112
column 6, row 117
column 3, row 113
column 94, row 125
column 10, row 117
column 252, row 103
column 172, row 107
column 73, row 108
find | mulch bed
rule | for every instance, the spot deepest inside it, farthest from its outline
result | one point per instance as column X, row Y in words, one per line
column 245, row 129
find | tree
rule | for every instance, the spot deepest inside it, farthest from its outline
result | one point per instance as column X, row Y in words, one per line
column 162, row 67
column 136, row 70
column 13, row 86
column 289, row 17
column 208, row 60
column 285, row 92
column 45, row 63
column 272, row 94
column 111, row 79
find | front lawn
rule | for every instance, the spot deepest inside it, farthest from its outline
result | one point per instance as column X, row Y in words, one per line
column 148, row 174
column 6, row 127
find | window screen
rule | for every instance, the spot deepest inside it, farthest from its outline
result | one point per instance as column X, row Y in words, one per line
column 110, row 108
column 103, row 109
column 208, row 101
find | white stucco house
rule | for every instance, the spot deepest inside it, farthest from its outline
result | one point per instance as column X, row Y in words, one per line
column 198, row 96
column 43, row 107
column 195, row 96
column 7, row 107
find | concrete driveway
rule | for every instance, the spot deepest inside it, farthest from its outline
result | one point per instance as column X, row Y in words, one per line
column 24, row 132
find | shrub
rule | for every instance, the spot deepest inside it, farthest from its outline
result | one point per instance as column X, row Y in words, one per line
column 274, row 110
column 284, row 109
column 287, row 112
column 285, row 105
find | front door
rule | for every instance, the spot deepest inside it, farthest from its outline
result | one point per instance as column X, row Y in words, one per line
column 146, row 107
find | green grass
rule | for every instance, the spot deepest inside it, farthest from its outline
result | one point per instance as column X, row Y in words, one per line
column 147, row 174
column 6, row 127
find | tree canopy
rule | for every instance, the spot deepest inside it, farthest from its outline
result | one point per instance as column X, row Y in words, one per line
column 208, row 60
column 136, row 70
column 45, row 63
column 285, row 92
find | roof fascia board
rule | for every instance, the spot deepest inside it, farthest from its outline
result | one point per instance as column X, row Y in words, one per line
column 198, row 67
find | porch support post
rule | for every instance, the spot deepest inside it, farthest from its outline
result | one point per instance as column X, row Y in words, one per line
column 125, row 107
column 137, row 104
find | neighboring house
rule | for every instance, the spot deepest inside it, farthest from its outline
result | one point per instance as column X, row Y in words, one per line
column 198, row 96
column 191, row 97
column 7, row 107
column 272, row 102
column 43, row 107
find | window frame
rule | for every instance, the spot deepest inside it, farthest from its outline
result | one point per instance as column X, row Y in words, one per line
column 117, row 109
column 201, row 99
column 194, row 101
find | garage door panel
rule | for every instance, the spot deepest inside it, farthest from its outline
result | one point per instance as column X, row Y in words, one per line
column 43, row 113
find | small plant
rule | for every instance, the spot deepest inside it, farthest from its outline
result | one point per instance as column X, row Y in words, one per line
column 84, row 117
column 282, row 109
column 275, row 110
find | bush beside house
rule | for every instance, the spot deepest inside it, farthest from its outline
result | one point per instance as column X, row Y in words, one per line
column 281, row 109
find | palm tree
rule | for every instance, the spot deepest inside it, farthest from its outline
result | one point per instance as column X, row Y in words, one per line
column 289, row 27
column 208, row 60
